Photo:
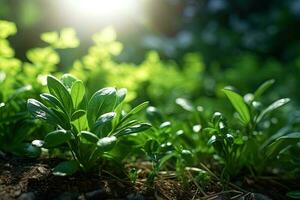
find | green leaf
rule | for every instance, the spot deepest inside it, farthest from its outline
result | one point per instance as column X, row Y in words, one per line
column 280, row 143
column 294, row 194
column 77, row 92
column 239, row 105
column 133, row 129
column 66, row 168
column 64, row 120
column 277, row 104
column 57, row 89
column 104, row 119
column 40, row 111
column 77, row 114
column 107, row 143
column 121, row 94
column 134, row 111
column 263, row 87
column 52, row 100
column 89, row 137
column 101, row 102
column 57, row 138
column 68, row 80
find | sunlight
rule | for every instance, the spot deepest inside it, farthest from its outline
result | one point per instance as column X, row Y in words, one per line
column 104, row 8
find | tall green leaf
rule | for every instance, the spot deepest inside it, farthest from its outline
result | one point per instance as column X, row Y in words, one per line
column 263, row 87
column 238, row 103
column 101, row 102
column 77, row 92
column 133, row 129
column 57, row 89
column 277, row 104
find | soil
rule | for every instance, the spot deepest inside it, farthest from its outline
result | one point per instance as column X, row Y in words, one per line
column 31, row 179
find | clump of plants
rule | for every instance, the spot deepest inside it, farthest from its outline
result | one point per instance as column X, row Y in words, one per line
column 247, row 142
column 88, row 127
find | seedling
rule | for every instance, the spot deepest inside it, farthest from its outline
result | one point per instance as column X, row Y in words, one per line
column 89, row 128
column 240, row 146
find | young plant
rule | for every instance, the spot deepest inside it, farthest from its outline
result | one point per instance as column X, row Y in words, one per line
column 89, row 129
column 241, row 146
column 162, row 147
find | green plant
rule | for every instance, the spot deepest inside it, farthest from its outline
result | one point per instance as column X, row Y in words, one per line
column 89, row 129
column 163, row 147
column 241, row 145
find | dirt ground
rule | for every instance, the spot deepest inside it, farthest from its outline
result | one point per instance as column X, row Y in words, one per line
column 31, row 179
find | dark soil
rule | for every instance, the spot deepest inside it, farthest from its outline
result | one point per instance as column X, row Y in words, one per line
column 31, row 179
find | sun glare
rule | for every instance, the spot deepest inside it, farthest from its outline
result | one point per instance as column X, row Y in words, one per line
column 104, row 8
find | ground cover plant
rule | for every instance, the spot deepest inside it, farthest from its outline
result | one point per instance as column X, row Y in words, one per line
column 158, row 129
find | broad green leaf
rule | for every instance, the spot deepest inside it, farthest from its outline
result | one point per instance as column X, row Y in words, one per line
column 56, row 138
column 77, row 114
column 121, row 94
column 106, row 143
column 57, row 89
column 105, row 118
column 68, row 80
column 77, row 92
column 133, row 129
column 52, row 100
column 101, row 102
column 277, row 104
column 40, row 111
column 294, row 194
column 66, row 168
column 239, row 105
column 263, row 87
column 89, row 137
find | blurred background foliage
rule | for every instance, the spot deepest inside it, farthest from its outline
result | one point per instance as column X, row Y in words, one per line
column 164, row 49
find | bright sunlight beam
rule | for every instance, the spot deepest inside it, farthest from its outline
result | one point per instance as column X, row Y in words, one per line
column 104, row 8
